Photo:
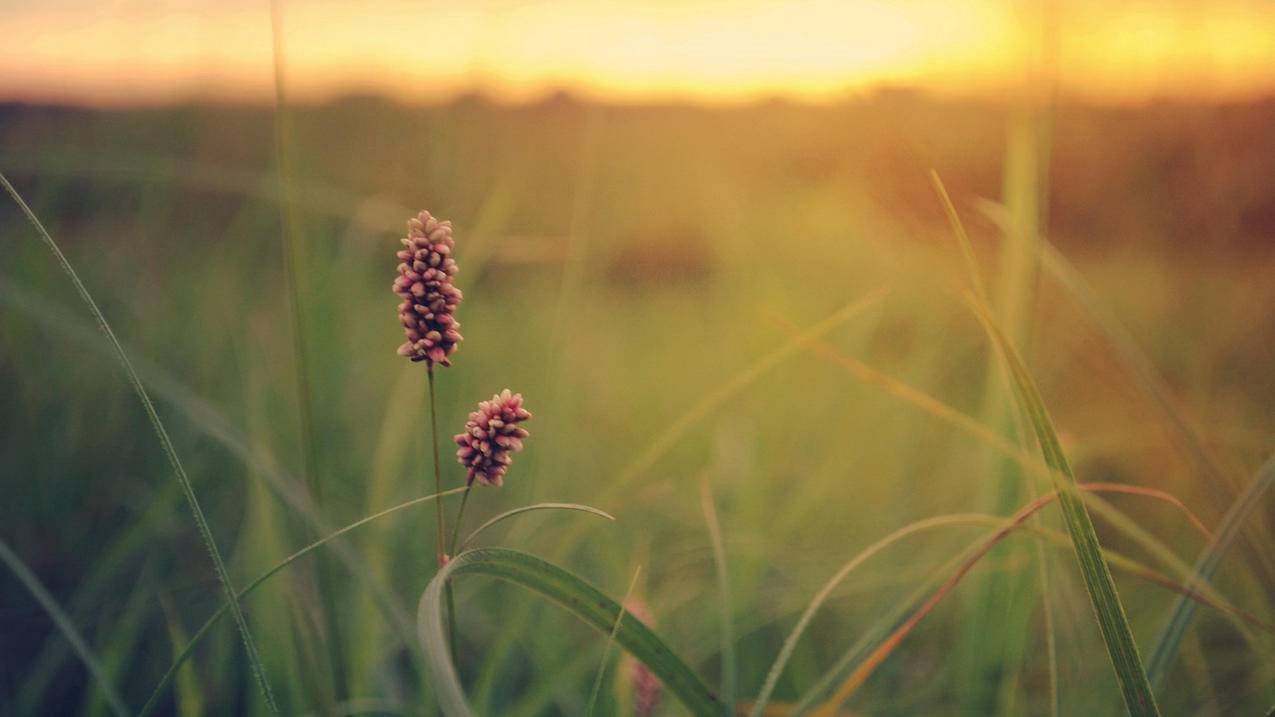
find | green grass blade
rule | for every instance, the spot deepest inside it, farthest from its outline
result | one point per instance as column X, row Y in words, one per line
column 529, row 508
column 210, row 421
column 962, row 238
column 572, row 593
column 153, row 702
column 1112, row 621
column 725, row 609
column 1167, row 644
column 870, row 638
column 201, row 523
column 63, row 622
column 790, row 643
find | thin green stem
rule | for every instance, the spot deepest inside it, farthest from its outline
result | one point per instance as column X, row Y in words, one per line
column 290, row 238
column 179, row 471
column 460, row 513
column 438, row 522
column 438, row 473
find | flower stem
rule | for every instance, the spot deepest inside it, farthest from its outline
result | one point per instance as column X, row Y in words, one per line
column 438, row 504
column 438, row 475
column 464, row 498
column 451, row 550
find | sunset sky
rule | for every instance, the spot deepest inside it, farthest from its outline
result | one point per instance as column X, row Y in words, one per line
column 127, row 51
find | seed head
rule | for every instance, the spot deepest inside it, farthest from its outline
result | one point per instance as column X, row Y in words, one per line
column 646, row 686
column 491, row 437
column 424, row 283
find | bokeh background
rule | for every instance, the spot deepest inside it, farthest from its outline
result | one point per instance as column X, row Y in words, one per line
column 652, row 202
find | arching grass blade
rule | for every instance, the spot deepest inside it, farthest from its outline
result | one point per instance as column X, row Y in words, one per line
column 201, row 523
column 1113, row 623
column 572, row 593
column 1166, row 646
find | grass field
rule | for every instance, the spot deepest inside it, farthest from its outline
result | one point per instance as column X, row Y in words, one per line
column 749, row 334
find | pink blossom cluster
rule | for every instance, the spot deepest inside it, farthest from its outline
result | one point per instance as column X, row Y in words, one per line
column 425, row 284
column 491, row 436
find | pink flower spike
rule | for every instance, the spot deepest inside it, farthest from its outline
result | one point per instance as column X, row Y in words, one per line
column 491, row 437
column 425, row 284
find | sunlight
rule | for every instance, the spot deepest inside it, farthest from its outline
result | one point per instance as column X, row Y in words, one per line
column 713, row 51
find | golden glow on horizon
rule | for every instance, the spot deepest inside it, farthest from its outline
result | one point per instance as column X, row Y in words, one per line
column 718, row 51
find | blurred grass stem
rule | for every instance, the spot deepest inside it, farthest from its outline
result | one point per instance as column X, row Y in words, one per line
column 179, row 471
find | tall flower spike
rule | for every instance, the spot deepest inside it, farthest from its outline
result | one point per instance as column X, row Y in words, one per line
column 492, row 435
column 424, row 283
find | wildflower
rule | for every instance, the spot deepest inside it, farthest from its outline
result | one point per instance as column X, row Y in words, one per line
column 429, row 297
column 491, row 436
column 646, row 686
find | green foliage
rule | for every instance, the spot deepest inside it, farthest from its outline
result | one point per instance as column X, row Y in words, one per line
column 1116, row 633
column 567, row 590
column 672, row 321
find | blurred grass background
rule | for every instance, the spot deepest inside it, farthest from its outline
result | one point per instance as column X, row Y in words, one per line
column 620, row 264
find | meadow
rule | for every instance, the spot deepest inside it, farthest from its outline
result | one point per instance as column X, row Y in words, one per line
column 750, row 334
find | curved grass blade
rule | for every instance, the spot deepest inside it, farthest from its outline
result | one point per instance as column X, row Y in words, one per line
column 212, row 422
column 790, row 643
column 873, row 660
column 875, row 634
column 153, row 702
column 572, row 593
column 962, row 238
column 64, row 624
column 529, row 508
column 863, row 669
column 726, row 612
column 1116, row 633
column 1170, row 638
column 201, row 523
column 959, row 519
column 998, row 615
column 1136, row 362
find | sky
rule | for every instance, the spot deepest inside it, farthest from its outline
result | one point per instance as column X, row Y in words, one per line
column 111, row 52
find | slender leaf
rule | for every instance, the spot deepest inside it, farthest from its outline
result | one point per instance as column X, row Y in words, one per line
column 790, row 644
column 179, row 472
column 1167, row 644
column 1113, row 623
column 213, row 423
column 852, row 659
column 529, row 508
column 572, row 593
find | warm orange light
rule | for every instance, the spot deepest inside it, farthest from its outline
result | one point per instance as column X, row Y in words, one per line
column 699, row 49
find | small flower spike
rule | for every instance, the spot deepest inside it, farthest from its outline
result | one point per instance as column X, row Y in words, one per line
column 428, row 311
column 491, row 437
